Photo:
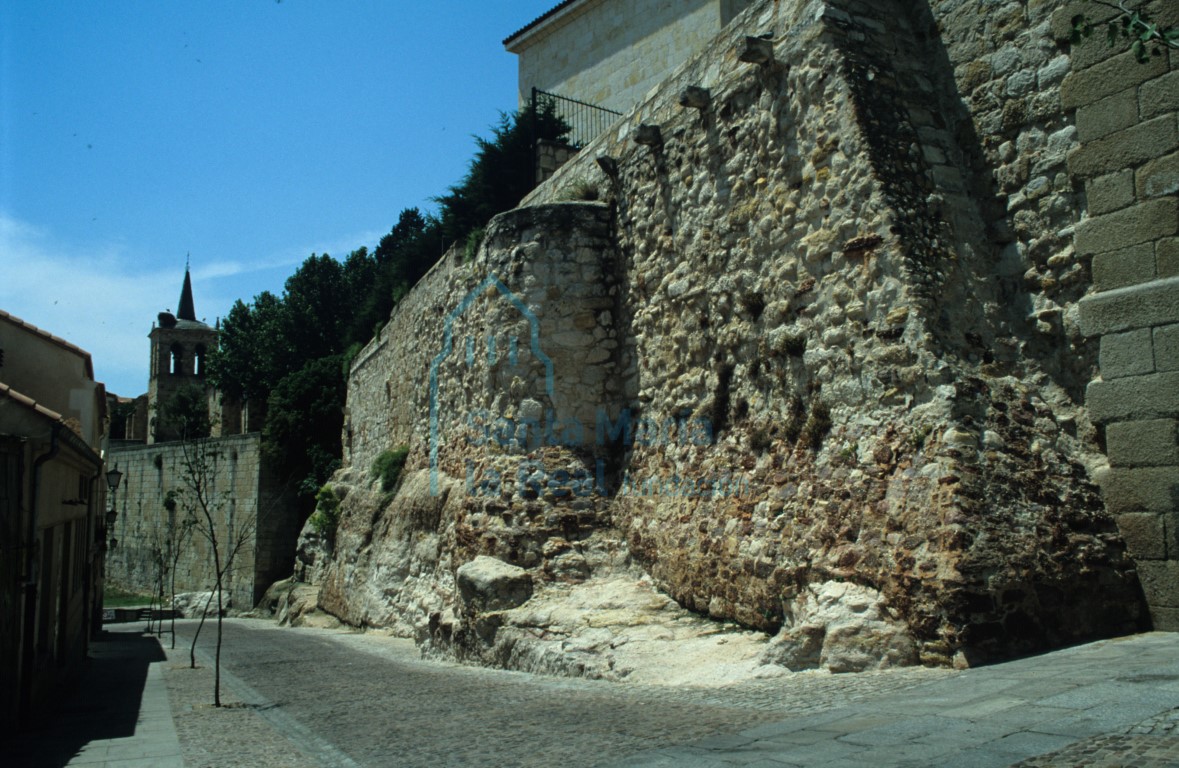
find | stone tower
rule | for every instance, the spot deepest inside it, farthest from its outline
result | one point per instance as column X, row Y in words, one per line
column 180, row 345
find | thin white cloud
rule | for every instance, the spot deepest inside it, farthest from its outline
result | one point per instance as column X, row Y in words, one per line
column 103, row 299
column 94, row 299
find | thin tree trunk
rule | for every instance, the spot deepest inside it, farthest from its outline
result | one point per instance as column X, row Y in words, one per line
column 172, row 604
column 217, row 655
column 192, row 650
column 160, row 621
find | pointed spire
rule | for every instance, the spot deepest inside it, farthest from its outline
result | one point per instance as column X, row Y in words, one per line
column 186, row 310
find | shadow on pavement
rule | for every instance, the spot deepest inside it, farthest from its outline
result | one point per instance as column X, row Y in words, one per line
column 102, row 704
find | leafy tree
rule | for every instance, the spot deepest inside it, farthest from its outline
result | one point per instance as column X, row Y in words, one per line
column 252, row 351
column 184, row 415
column 168, row 543
column 290, row 353
column 316, row 306
column 304, row 420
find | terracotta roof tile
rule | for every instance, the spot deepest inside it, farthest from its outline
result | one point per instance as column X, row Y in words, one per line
column 29, row 403
column 543, row 17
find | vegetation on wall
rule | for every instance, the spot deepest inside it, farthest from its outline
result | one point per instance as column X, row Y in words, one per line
column 1133, row 25
column 387, row 467
column 327, row 512
column 288, row 355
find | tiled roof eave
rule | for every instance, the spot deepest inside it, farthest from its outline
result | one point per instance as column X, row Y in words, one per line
column 555, row 10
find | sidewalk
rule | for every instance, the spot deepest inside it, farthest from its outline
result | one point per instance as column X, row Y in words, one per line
column 1108, row 704
column 117, row 717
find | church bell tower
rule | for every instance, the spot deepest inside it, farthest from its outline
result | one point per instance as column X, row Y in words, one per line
column 180, row 345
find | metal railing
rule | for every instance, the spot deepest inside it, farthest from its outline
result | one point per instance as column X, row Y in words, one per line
column 585, row 121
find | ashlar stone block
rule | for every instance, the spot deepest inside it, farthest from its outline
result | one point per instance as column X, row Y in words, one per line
column 1160, row 582
column 1150, row 443
column 1115, row 74
column 1126, row 354
column 1125, row 148
column 1158, row 178
column 1137, row 306
column 1159, row 95
column 1167, row 257
column 1144, row 535
column 1110, row 192
column 1142, row 489
column 1137, row 224
column 1166, row 348
column 1155, row 395
column 1129, row 266
column 1113, row 113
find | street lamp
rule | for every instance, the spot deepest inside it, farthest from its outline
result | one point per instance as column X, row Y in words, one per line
column 112, row 481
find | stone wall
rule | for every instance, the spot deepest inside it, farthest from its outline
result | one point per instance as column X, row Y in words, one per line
column 847, row 328
column 1127, row 117
column 484, row 371
column 248, row 504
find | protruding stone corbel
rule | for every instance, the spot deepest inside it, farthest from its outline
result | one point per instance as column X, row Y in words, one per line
column 757, row 50
column 649, row 135
column 695, row 97
column 608, row 165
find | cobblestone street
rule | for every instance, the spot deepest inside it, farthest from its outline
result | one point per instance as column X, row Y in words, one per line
column 370, row 700
column 301, row 698
column 311, row 697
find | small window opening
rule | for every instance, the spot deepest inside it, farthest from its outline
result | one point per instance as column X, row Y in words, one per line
column 176, row 360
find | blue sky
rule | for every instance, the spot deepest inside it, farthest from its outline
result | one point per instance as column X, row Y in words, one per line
column 247, row 133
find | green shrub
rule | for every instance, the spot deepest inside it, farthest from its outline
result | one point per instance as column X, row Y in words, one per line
column 471, row 246
column 327, row 512
column 388, row 466
column 580, row 190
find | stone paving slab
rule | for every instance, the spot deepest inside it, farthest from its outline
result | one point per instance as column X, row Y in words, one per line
column 1110, row 703
column 117, row 717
